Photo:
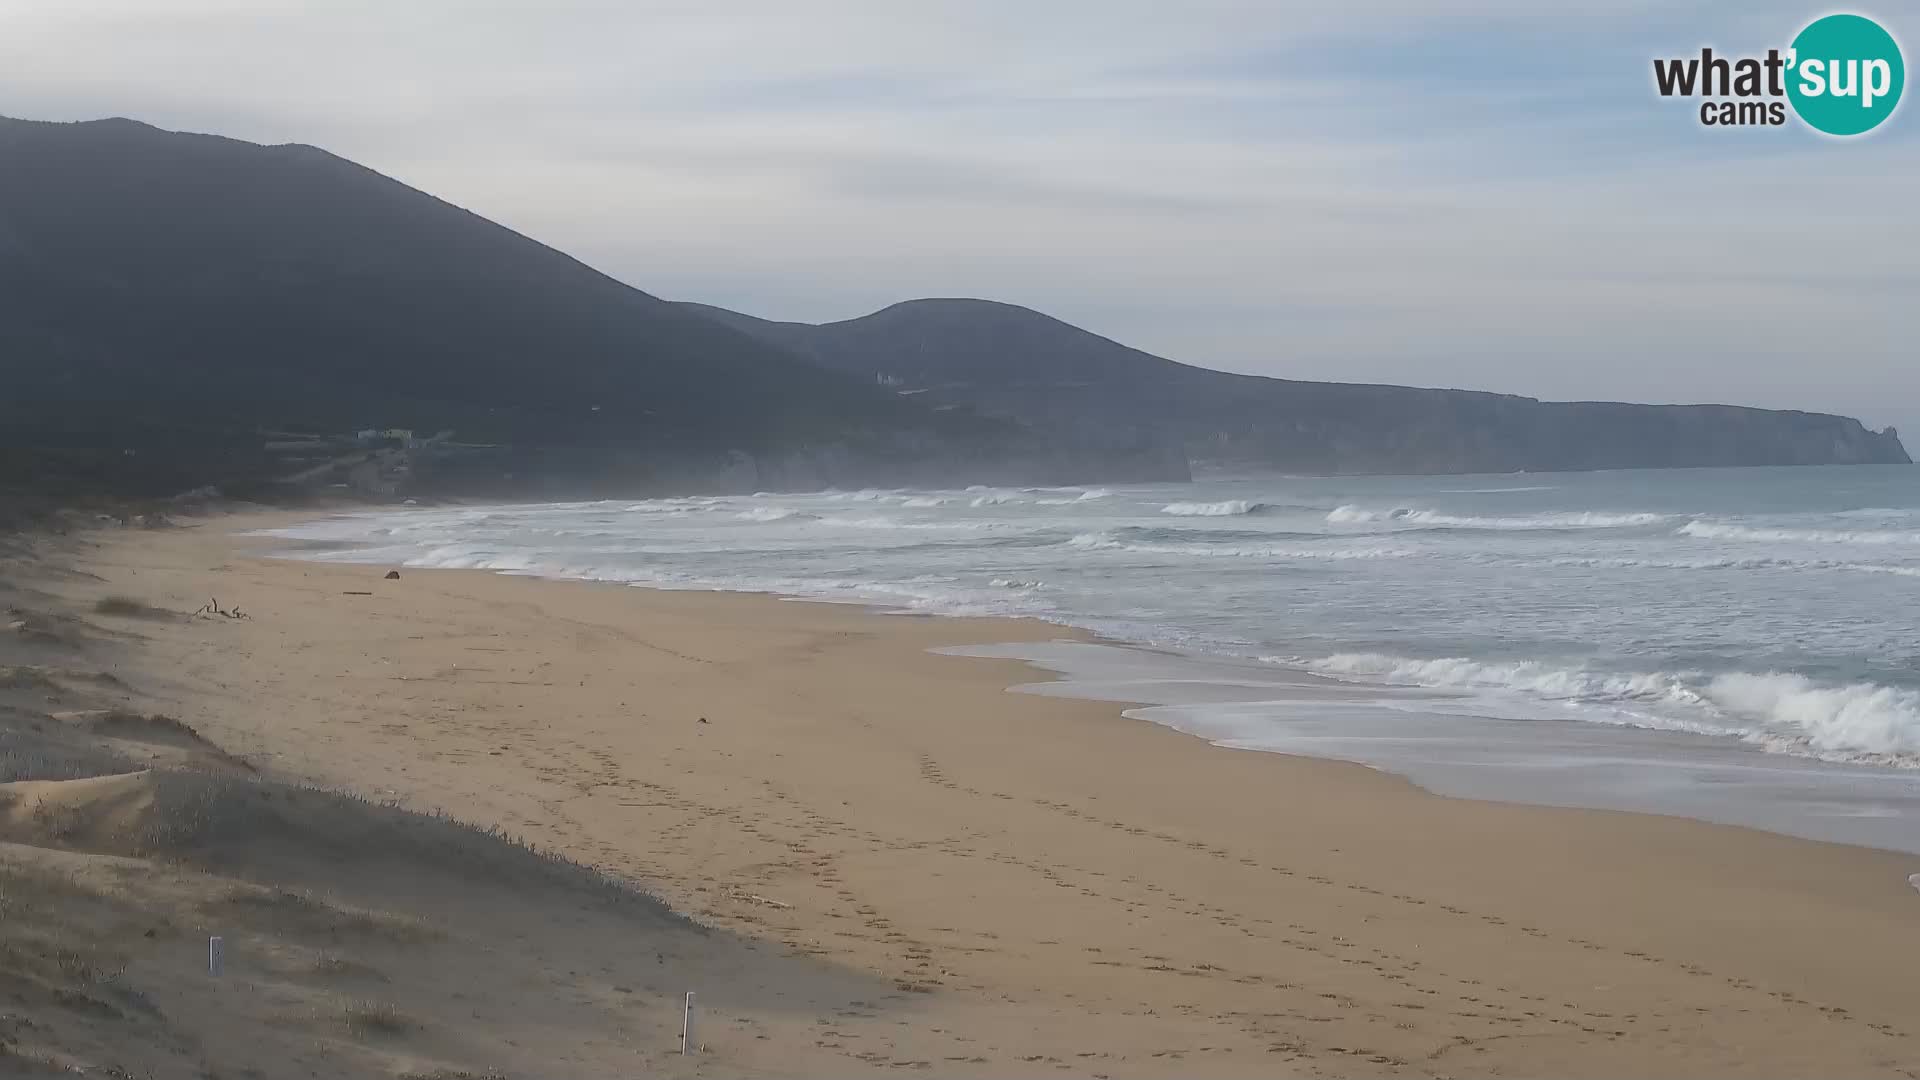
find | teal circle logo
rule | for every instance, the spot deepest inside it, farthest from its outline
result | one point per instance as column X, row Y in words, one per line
column 1845, row 74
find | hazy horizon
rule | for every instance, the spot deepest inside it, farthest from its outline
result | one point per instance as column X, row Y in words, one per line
column 1492, row 201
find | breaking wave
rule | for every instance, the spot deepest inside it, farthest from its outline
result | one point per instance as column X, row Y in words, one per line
column 1781, row 712
column 1356, row 515
column 1089, row 495
column 879, row 521
column 1757, row 562
column 672, row 507
column 1710, row 530
column 1111, row 541
column 1859, row 718
column 770, row 513
column 1794, row 617
column 1229, row 508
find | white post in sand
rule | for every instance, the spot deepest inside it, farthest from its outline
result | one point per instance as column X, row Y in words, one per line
column 687, row 1045
column 216, row 956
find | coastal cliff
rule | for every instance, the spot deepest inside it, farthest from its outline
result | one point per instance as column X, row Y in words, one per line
column 1009, row 361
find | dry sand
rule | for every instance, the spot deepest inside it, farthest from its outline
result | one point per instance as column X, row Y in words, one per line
column 912, row 868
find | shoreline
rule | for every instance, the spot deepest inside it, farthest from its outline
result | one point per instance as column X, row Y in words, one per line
column 1710, row 779
column 1322, row 913
column 1701, row 778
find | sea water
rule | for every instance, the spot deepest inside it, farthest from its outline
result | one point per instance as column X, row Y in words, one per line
column 1738, row 645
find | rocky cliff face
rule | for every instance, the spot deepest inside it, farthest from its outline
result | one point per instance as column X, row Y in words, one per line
column 1440, row 433
column 1009, row 361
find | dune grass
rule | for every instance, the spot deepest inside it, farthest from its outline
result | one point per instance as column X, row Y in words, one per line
column 209, row 817
column 332, row 965
column 117, row 721
column 26, row 677
column 319, row 915
column 28, row 755
column 128, row 607
column 366, row 1016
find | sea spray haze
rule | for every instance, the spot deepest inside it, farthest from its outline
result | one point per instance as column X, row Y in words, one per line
column 1770, row 609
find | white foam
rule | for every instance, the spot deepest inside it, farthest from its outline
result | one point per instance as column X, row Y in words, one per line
column 1106, row 541
column 1090, row 495
column 1128, row 571
column 1584, row 519
column 882, row 522
column 768, row 513
column 928, row 596
column 1735, row 563
column 1575, row 520
column 1782, row 712
column 676, row 507
column 1523, row 675
column 1861, row 717
column 1354, row 515
column 1228, row 508
column 1879, row 513
column 1711, row 530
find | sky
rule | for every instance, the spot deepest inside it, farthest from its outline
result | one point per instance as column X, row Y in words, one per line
column 1486, row 194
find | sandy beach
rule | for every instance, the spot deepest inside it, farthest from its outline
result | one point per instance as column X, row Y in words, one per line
column 936, row 874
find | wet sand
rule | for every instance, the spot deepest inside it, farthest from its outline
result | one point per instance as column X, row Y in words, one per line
column 1049, row 888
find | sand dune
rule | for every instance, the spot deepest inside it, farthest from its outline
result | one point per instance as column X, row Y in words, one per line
column 908, row 868
column 358, row 940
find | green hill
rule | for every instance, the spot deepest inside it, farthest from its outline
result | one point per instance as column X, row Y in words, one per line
column 1010, row 361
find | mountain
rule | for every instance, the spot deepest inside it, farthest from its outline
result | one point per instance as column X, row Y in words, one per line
column 170, row 303
column 180, row 309
column 1014, row 362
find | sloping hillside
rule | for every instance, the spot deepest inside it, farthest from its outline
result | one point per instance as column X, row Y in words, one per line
column 1020, row 363
column 169, row 297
